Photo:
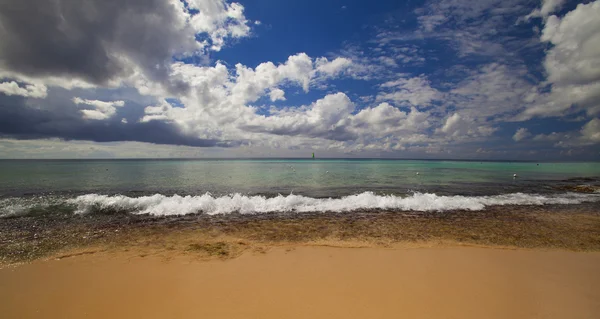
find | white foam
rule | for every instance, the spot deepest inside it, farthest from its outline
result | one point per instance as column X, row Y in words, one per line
column 11, row 210
column 18, row 206
column 181, row 205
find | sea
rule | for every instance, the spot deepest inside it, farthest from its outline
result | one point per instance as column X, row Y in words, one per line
column 257, row 186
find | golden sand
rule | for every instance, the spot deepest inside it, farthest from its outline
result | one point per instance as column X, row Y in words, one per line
column 309, row 282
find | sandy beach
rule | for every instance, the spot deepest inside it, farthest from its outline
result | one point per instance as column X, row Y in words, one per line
column 310, row 282
column 498, row 263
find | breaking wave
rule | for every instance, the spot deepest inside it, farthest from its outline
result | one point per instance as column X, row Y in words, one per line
column 161, row 205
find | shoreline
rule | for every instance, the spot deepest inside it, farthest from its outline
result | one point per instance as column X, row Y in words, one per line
column 309, row 282
column 503, row 262
column 553, row 227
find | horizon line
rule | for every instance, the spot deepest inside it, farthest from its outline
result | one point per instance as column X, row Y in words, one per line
column 300, row 158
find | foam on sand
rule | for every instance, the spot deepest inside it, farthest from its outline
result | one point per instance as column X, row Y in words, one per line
column 161, row 205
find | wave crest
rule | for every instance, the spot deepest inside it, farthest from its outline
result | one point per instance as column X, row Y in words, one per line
column 161, row 205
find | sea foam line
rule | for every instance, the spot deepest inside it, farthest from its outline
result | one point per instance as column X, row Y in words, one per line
column 161, row 205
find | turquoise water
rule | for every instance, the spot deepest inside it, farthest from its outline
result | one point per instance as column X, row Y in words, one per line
column 310, row 178
column 313, row 177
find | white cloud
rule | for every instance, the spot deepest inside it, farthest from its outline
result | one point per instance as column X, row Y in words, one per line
column 575, row 57
column 414, row 91
column 252, row 83
column 591, row 131
column 219, row 20
column 493, row 90
column 114, row 45
column 453, row 124
column 327, row 118
column 102, row 110
column 521, row 134
column 572, row 64
column 218, row 105
column 461, row 128
column 589, row 134
column 381, row 57
column 332, row 68
column 277, row 95
column 215, row 90
column 552, row 137
column 218, row 109
column 548, row 7
column 161, row 112
column 471, row 27
column 221, row 101
column 38, row 91
column 385, row 120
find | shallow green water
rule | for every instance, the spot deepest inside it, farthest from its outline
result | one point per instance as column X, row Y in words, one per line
column 174, row 187
column 321, row 178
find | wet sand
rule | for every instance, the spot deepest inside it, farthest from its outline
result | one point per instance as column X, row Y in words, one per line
column 563, row 227
column 300, row 281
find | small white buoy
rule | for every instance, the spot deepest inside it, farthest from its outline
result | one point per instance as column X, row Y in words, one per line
column 326, row 172
column 417, row 173
column 514, row 175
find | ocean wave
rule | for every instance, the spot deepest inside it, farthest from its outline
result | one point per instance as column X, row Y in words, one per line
column 161, row 205
column 16, row 206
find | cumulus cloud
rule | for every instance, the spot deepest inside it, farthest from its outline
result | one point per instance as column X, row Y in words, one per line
column 521, row 134
column 299, row 69
column 453, row 124
column 572, row 64
column 277, row 95
column 218, row 102
column 219, row 20
column 406, row 106
column 57, row 117
column 385, row 120
column 218, row 107
column 38, row 91
column 331, row 68
column 575, row 57
column 461, row 127
column 326, row 118
column 251, row 83
column 102, row 110
column 591, row 131
column 105, row 43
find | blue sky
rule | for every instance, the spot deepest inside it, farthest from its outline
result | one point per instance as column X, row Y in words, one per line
column 492, row 79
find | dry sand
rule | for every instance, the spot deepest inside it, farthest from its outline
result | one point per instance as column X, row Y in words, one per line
column 310, row 282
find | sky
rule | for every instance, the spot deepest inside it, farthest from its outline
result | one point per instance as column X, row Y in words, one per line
column 447, row 79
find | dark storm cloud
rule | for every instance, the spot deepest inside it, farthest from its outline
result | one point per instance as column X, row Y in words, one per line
column 22, row 121
column 87, row 39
